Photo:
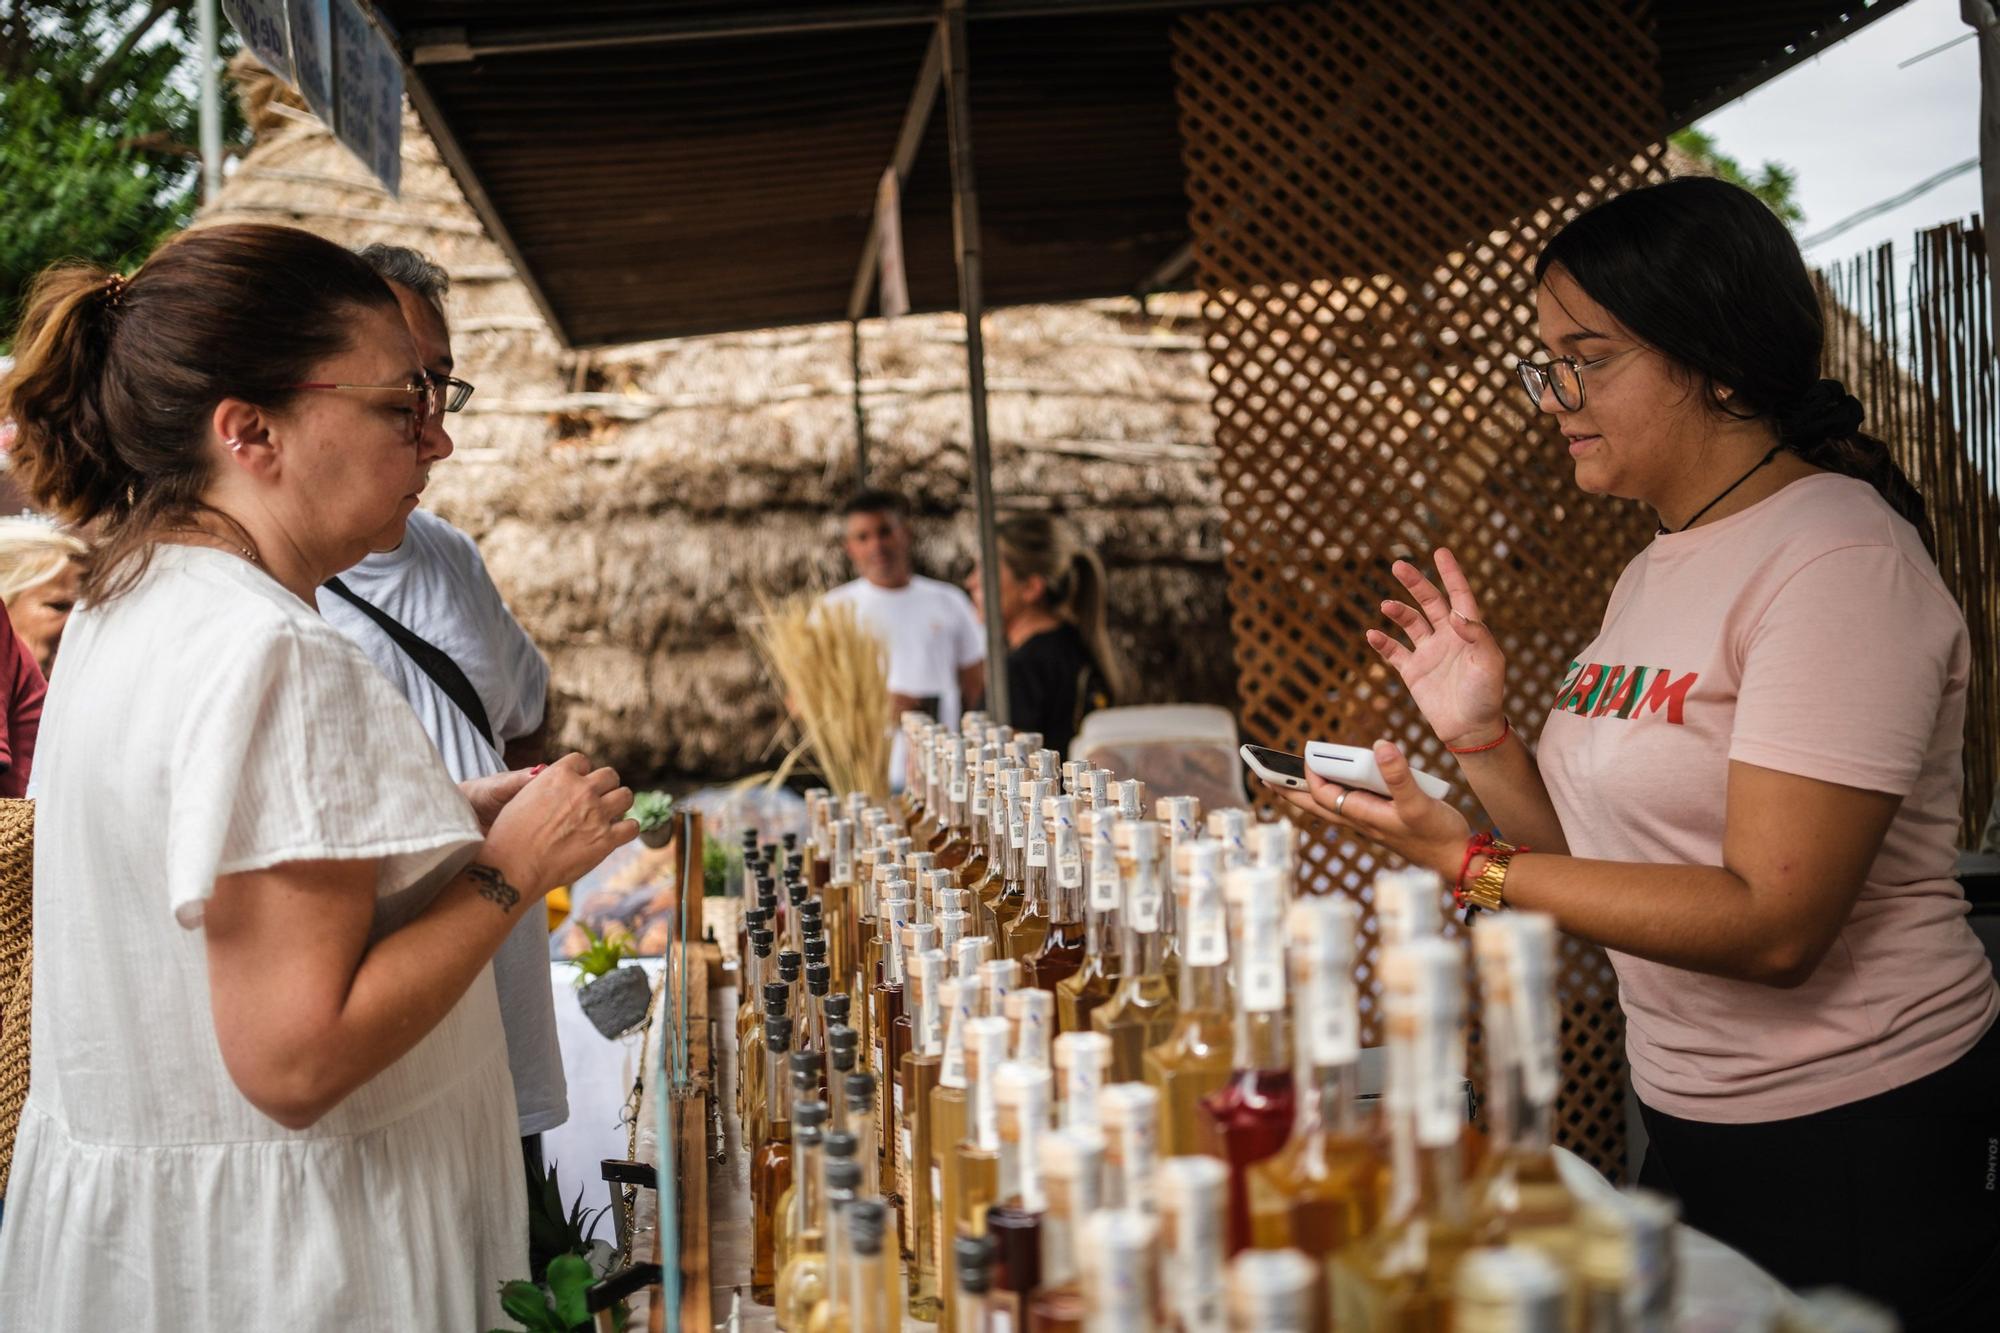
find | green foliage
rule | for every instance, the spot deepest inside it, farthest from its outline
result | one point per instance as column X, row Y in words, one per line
column 553, row 1229
column 99, row 118
column 652, row 809
column 1775, row 183
column 554, row 1301
column 601, row 955
column 721, row 869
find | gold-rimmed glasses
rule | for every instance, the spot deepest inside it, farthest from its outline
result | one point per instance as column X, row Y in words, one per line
column 1561, row 376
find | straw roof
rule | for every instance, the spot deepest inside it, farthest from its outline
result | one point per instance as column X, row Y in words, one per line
column 629, row 500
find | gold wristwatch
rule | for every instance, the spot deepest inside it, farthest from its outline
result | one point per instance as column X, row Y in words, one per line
column 1487, row 890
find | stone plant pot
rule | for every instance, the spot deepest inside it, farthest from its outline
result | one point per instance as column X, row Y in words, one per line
column 616, row 1002
column 658, row 837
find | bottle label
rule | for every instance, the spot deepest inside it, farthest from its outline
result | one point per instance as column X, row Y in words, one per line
column 1330, row 1003
column 1440, row 1082
column 979, row 806
column 1143, row 911
column 1017, row 830
column 1038, row 845
column 1262, row 975
column 903, row 1160
column 1205, row 935
column 1069, row 859
column 1103, row 874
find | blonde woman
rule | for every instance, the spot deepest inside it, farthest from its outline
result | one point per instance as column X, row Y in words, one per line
column 41, row 568
column 1060, row 660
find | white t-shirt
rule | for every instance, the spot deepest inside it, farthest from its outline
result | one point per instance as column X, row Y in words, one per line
column 931, row 632
column 207, row 723
column 437, row 586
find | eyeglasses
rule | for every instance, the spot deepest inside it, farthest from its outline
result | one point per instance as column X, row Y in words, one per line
column 435, row 395
column 1562, row 377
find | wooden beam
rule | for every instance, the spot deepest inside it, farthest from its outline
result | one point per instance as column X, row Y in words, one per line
column 916, row 117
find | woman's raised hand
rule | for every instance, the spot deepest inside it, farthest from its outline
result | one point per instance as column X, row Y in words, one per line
column 1452, row 664
column 561, row 824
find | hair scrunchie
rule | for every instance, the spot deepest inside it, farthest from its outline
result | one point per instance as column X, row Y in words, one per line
column 1827, row 411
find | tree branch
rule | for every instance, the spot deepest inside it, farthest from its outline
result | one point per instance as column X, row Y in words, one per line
column 158, row 10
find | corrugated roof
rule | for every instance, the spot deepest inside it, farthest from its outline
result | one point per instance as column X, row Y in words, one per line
column 653, row 179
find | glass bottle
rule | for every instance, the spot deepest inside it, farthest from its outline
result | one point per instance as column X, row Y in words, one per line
column 809, row 1117
column 1626, row 1264
column 819, row 984
column 1083, row 1069
column 979, row 824
column 1251, row 1115
column 917, row 938
column 1013, row 895
column 1128, row 1116
column 843, row 1044
column 771, row 1168
column 1321, row 1192
column 1120, row 1286
column 1231, row 828
column 1030, row 1023
column 749, row 1023
column 1409, row 905
column 1273, row 1291
column 836, row 898
column 989, row 884
column 1518, row 1196
column 1274, row 846
column 1060, row 952
column 804, row 1224
column 888, row 989
column 1080, row 995
column 1030, row 926
column 1142, row 1012
column 922, row 781
column 1194, row 1060
column 1180, row 816
column 1399, row 1276
column 921, row 1068
column 1508, row 1289
column 973, row 1257
column 791, row 969
column 756, row 1126
column 843, row 1182
column 972, row 1185
column 874, row 1286
column 1072, row 1162
column 957, row 846
column 1021, row 1097
column 958, row 1001
column 1194, row 1197
column 863, row 1124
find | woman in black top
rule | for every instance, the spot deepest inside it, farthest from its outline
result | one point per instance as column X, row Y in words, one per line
column 1060, row 663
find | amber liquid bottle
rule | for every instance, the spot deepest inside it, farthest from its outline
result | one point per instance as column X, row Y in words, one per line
column 771, row 1168
column 972, row 1186
column 1031, row 1020
column 1518, row 1196
column 1024, row 934
column 1399, row 1277
column 1275, row 1291
column 919, row 814
column 988, row 886
column 1195, row 1059
column 1180, row 816
column 1060, row 953
column 842, row 1188
column 921, row 1070
column 1322, row 1191
column 1072, row 1165
column 979, row 828
column 1079, row 995
column 1193, row 1198
column 801, row 1280
column 1129, row 1118
column 1142, row 1012
column 1013, row 895
column 956, row 848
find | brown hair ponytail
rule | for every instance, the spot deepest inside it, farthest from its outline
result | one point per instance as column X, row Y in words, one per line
column 1824, row 428
column 1036, row 545
column 115, row 378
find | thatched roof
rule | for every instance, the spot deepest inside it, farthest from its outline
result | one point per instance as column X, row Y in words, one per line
column 630, row 500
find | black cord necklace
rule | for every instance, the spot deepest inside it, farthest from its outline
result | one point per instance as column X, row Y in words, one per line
column 1755, row 469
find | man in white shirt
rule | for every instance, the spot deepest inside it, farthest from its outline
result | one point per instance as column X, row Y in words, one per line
column 428, row 578
column 937, row 647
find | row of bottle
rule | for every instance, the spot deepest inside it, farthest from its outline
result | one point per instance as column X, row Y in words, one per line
column 1037, row 1061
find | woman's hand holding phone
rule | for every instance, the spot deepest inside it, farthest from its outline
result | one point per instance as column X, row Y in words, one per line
column 1452, row 664
column 1419, row 828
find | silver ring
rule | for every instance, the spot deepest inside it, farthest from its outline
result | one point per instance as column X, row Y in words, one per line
column 1340, row 801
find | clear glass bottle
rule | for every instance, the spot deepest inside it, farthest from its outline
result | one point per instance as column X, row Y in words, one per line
column 1231, row 828
column 1194, row 1060
column 872, row 1263
column 1180, row 816
column 843, row 1047
column 1128, row 1116
column 972, row 1185
column 1031, row 1021
column 1409, row 905
column 1024, row 935
column 958, row 1000
column 1399, row 1276
column 1081, row 994
column 1083, row 1069
column 1141, row 1013
column 1013, row 895
column 958, row 844
column 809, row 1117
column 972, row 1257
column 1626, row 1264
column 804, row 1256
column 1273, row 1291
column 1072, row 1162
column 987, row 885
column 921, row 1070
column 1120, row 1272
column 843, row 1180
column 1518, row 1196
column 1322, row 1191
column 1508, row 1289
column 1250, row 1116
column 1194, row 1198
column 1060, row 953
column 771, row 1167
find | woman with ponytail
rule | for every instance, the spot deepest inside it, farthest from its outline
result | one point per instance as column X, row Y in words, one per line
column 1061, row 663
column 270, row 1085
column 1747, row 787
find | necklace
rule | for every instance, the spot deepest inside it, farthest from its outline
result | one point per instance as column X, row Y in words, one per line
column 1754, row 470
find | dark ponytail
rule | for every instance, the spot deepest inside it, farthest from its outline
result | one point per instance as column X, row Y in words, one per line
column 1039, row 545
column 1705, row 274
column 115, row 378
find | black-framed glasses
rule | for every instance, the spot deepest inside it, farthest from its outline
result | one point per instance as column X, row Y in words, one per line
column 435, row 395
column 453, row 393
column 1562, row 376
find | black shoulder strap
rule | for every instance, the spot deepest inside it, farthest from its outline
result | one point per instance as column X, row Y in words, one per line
column 435, row 662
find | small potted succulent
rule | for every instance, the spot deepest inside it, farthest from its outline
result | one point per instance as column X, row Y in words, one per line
column 614, row 997
column 654, row 813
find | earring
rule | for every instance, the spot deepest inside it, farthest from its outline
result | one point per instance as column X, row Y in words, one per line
column 235, row 444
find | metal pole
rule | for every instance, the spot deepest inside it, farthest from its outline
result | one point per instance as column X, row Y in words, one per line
column 860, row 417
column 211, row 102
column 965, row 232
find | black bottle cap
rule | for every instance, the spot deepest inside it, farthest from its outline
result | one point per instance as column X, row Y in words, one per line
column 807, row 1065
column 756, row 919
column 776, row 993
column 809, row 1115
column 790, row 840
column 974, row 1258
column 803, row 1136
column 796, row 891
column 866, row 1219
column 819, row 978
column 860, row 1089
column 845, row 1044
column 789, row 963
column 814, row 948
column 842, row 1173
column 839, row 1006
column 777, row 1034
column 761, row 941
column 840, row 1143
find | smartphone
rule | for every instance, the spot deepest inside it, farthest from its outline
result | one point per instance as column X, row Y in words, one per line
column 1278, row 767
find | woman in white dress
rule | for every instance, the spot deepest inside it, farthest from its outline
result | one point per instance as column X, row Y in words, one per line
column 270, row 1086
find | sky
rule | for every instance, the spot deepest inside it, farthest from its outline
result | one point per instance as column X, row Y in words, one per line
column 1858, row 130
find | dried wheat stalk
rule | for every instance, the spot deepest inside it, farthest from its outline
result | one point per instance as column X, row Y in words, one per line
column 835, row 678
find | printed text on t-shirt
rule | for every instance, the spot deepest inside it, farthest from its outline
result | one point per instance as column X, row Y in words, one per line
column 1596, row 690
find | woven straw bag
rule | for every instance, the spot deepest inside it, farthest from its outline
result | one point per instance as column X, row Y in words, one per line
column 17, row 920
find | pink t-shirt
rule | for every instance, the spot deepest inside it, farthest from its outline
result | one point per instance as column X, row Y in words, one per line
column 1810, row 634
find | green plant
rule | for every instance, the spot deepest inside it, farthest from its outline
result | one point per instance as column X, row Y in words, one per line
column 721, row 869
column 560, row 1241
column 652, row 809
column 560, row 1305
column 601, row 954
column 554, row 1230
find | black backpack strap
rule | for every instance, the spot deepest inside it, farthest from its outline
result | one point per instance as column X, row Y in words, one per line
column 436, row 663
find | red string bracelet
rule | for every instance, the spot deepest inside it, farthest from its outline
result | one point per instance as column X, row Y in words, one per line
column 1473, row 847
column 1506, row 730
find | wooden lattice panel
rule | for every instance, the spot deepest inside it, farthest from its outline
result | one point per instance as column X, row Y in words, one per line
column 1369, row 185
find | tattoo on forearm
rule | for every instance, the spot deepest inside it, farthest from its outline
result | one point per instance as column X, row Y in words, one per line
column 493, row 887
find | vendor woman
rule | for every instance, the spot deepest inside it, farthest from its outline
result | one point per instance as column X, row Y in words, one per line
column 1747, row 787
